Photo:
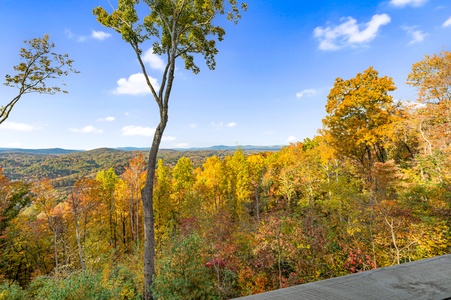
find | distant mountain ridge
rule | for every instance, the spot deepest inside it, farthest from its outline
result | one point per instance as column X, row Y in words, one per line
column 55, row 151
column 59, row 151
column 64, row 166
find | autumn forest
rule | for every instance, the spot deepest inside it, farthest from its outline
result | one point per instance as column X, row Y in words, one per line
column 371, row 190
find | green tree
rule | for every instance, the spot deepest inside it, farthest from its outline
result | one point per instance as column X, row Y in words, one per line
column 39, row 65
column 183, row 273
column 177, row 29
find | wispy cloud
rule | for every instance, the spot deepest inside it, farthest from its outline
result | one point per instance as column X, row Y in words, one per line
column 292, row 139
column 306, row 93
column 100, row 35
column 349, row 33
column 7, row 125
column 221, row 124
column 72, row 36
column 69, row 33
column 182, row 145
column 192, row 125
column 107, row 119
column 169, row 138
column 153, row 60
column 135, row 85
column 133, row 130
column 417, row 36
column 447, row 23
column 96, row 35
column 402, row 3
column 86, row 129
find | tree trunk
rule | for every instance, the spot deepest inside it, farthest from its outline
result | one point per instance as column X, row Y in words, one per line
column 80, row 249
column 393, row 237
column 55, row 248
column 147, row 200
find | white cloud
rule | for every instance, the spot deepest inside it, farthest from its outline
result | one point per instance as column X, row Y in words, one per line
column 107, row 119
column 153, row 60
column 169, row 138
column 18, row 126
column 306, row 93
column 192, row 125
column 69, row 33
column 135, row 85
column 447, row 23
column 417, row 35
column 349, row 32
column 221, row 124
column 292, row 139
column 72, row 36
column 100, row 35
column 133, row 130
column 86, row 129
column 402, row 3
column 182, row 145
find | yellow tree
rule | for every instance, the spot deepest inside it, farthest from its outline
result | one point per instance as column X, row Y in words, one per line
column 238, row 184
column 210, row 184
column 360, row 125
column 432, row 78
column 135, row 177
column 45, row 201
column 183, row 180
column 108, row 180
column 360, row 117
column 163, row 207
column 257, row 169
column 81, row 203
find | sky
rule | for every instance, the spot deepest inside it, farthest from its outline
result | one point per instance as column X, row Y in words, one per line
column 274, row 71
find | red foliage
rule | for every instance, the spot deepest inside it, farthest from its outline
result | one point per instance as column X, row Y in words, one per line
column 358, row 262
column 216, row 262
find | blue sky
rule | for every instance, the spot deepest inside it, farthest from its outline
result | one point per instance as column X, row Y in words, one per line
column 274, row 71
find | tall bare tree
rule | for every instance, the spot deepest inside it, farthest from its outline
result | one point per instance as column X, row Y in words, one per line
column 175, row 29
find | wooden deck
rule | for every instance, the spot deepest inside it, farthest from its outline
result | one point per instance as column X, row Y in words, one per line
column 425, row 279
